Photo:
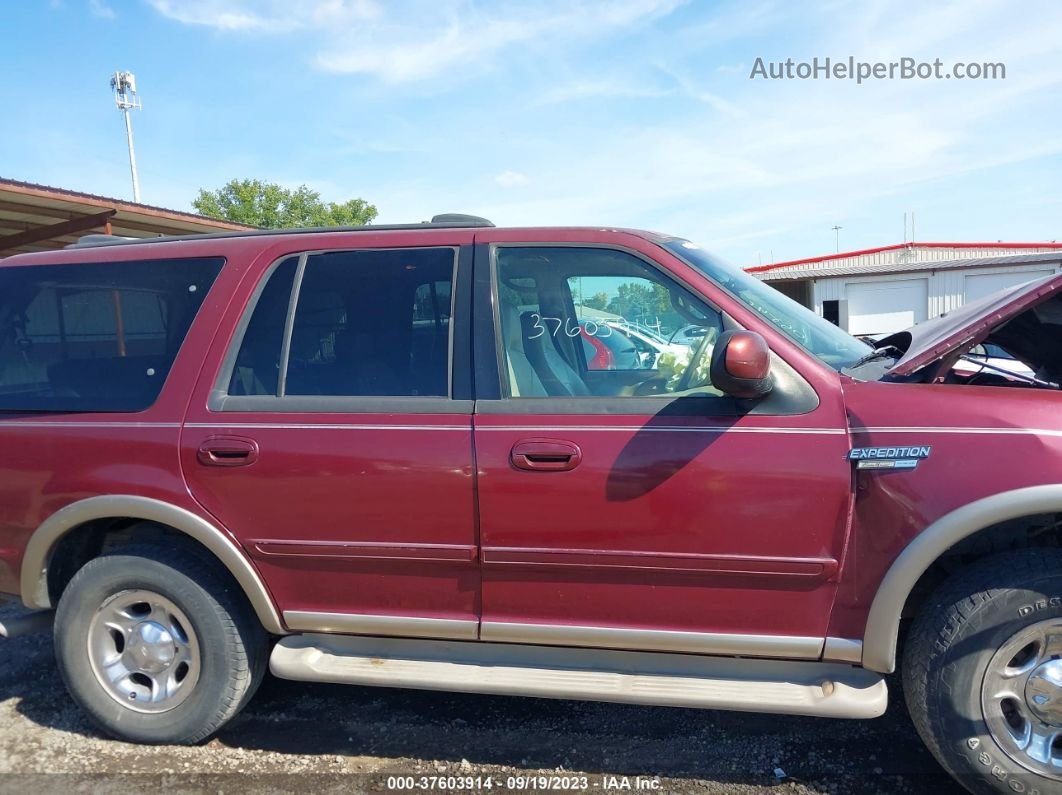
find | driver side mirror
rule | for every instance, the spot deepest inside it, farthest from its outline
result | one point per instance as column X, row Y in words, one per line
column 741, row 365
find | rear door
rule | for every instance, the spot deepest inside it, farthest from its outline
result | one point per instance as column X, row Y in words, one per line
column 332, row 435
column 641, row 508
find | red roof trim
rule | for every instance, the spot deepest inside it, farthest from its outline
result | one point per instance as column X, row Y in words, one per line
column 895, row 247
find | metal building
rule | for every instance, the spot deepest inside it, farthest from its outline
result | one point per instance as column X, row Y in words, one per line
column 880, row 290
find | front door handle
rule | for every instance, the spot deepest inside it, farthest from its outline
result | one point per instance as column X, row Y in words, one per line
column 227, row 451
column 546, row 455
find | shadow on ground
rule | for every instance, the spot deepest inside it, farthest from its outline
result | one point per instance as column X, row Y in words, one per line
column 416, row 732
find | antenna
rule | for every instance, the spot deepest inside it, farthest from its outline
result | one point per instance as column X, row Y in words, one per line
column 837, row 237
column 123, row 84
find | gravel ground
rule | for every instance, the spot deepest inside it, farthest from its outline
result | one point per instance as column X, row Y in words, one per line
column 299, row 737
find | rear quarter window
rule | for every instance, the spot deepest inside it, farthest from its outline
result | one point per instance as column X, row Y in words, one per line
column 95, row 337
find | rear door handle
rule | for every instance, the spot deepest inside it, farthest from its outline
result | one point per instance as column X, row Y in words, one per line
column 227, row 451
column 546, row 455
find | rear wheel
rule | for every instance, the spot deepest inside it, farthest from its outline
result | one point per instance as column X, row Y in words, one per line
column 982, row 674
column 157, row 645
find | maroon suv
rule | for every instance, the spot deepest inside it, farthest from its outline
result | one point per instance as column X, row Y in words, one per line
column 380, row 456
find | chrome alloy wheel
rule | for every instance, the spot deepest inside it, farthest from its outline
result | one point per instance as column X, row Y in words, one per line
column 143, row 651
column 1022, row 698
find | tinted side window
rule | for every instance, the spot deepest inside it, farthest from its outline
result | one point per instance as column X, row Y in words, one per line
column 373, row 323
column 95, row 337
column 595, row 322
column 366, row 323
column 257, row 366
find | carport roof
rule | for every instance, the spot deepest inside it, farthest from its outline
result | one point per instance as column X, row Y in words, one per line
column 42, row 218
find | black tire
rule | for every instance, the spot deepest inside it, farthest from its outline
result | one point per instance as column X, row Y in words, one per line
column 951, row 646
column 232, row 645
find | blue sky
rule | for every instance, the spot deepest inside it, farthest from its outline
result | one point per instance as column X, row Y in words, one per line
column 629, row 112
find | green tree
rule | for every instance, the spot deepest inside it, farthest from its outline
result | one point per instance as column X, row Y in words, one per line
column 266, row 204
column 597, row 301
column 633, row 300
column 645, row 302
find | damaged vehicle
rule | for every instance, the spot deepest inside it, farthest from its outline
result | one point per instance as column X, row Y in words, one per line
column 387, row 456
column 1011, row 338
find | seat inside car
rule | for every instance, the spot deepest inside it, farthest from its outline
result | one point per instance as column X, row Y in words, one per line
column 360, row 355
column 557, row 376
column 523, row 380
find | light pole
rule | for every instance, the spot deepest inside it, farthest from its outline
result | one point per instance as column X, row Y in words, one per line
column 837, row 238
column 123, row 84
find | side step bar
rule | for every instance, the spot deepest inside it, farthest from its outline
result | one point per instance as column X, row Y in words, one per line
column 680, row 680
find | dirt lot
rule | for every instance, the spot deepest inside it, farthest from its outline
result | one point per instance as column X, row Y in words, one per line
column 298, row 737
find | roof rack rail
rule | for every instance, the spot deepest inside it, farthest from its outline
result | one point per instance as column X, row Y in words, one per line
column 99, row 240
column 459, row 219
column 441, row 221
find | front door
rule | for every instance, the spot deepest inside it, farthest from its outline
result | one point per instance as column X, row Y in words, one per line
column 336, row 442
column 625, row 502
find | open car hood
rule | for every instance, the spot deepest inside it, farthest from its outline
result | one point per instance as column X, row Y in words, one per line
column 927, row 342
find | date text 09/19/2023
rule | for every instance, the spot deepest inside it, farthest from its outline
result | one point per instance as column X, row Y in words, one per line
column 525, row 783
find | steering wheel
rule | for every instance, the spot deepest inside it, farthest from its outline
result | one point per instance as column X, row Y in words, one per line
column 698, row 353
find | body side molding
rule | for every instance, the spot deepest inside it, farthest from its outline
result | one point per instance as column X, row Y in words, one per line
column 717, row 643
column 34, row 574
column 398, row 626
column 883, row 622
column 843, row 650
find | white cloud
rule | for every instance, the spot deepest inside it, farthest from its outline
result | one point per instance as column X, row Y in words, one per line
column 737, row 20
column 511, row 179
column 266, row 16
column 605, row 88
column 764, row 162
column 208, row 14
column 409, row 42
column 692, row 90
column 746, row 164
column 405, row 49
column 101, row 9
column 788, row 158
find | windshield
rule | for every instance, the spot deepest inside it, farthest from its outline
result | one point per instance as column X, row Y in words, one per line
column 817, row 336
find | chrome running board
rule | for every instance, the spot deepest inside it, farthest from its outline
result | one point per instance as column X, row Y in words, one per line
column 831, row 690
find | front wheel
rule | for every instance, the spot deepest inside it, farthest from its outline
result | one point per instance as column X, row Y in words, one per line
column 157, row 645
column 982, row 674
